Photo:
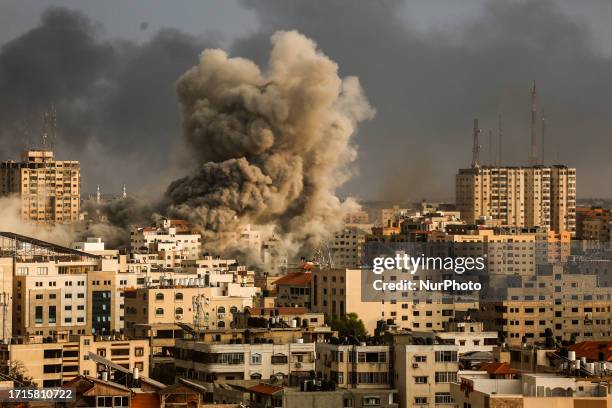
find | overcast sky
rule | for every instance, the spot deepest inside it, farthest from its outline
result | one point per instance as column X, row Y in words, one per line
column 428, row 67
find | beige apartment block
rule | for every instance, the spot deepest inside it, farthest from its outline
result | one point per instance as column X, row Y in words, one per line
column 205, row 307
column 271, row 358
column 346, row 249
column 424, row 373
column 530, row 391
column 355, row 365
column 569, row 304
column 338, row 292
column 519, row 196
column 49, row 189
column 293, row 289
column 51, row 363
column 166, row 244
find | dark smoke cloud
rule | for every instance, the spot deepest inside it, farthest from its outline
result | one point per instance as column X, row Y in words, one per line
column 116, row 104
column 427, row 86
column 272, row 146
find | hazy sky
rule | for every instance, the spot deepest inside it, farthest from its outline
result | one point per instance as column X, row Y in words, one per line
column 428, row 67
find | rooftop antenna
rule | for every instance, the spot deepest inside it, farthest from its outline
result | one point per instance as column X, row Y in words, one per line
column 533, row 155
column 124, row 193
column 98, row 195
column 53, row 125
column 500, row 133
column 491, row 159
column 543, row 135
column 45, row 130
column 476, row 146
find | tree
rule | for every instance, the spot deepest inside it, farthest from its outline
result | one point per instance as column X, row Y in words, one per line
column 17, row 372
column 348, row 325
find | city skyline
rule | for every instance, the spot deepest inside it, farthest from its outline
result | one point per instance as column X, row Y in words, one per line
column 424, row 105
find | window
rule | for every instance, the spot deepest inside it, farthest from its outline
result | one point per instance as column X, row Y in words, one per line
column 159, row 311
column 178, row 311
column 159, row 296
column 52, row 314
column 256, row 358
column 444, row 398
column 348, row 403
column 220, row 310
column 446, row 356
column 139, row 351
column 446, row 377
column 420, row 359
column 178, row 296
column 420, row 379
column 279, row 359
column 221, row 324
column 420, row 400
column 233, row 309
column 371, row 401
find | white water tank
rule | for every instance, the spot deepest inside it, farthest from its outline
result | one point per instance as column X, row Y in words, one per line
column 293, row 323
column 577, row 364
column 104, row 375
column 136, row 373
column 571, row 355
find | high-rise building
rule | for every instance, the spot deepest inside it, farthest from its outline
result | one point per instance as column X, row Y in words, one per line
column 49, row 189
column 535, row 196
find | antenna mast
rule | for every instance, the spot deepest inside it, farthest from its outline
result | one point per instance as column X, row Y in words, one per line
column 499, row 131
column 543, row 134
column 533, row 155
column 476, row 146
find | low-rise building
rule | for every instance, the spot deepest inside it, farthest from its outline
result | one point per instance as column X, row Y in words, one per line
column 52, row 361
column 271, row 355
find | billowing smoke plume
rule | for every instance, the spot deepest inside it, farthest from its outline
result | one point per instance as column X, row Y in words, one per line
column 272, row 146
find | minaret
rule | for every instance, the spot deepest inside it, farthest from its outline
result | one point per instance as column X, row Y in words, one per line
column 124, row 193
column 476, row 146
column 98, row 195
column 533, row 154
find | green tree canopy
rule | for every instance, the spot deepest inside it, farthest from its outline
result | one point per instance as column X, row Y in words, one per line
column 348, row 325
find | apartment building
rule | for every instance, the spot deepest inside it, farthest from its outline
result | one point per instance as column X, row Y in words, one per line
column 346, row 249
column 572, row 305
column 542, row 196
column 205, row 307
column 337, row 292
column 270, row 316
column 272, row 395
column 51, row 361
column 166, row 244
column 530, row 391
column 49, row 189
column 275, row 354
column 293, row 289
column 469, row 335
column 358, row 365
column 423, row 372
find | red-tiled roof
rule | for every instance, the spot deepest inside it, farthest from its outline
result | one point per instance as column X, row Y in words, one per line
column 591, row 350
column 281, row 310
column 266, row 389
column 294, row 278
column 498, row 368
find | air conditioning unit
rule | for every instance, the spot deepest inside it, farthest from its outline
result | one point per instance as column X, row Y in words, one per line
column 415, row 365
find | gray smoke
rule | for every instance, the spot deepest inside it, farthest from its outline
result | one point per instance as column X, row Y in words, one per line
column 97, row 87
column 273, row 146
